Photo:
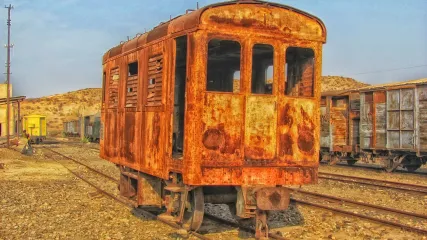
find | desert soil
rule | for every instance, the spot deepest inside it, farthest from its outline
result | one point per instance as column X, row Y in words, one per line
column 40, row 199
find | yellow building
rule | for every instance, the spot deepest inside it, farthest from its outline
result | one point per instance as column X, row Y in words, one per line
column 3, row 113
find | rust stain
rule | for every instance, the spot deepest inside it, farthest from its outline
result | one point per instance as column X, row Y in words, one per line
column 218, row 139
column 306, row 134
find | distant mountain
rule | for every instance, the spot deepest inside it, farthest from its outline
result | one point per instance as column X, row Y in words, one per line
column 331, row 83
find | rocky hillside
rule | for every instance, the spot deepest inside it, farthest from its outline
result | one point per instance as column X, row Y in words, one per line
column 60, row 107
column 331, row 83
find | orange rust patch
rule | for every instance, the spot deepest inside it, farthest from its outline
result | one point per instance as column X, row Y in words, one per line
column 218, row 139
column 213, row 139
column 306, row 137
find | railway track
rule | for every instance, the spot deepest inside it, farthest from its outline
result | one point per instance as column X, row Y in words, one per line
column 142, row 213
column 374, row 182
column 375, row 213
column 374, row 168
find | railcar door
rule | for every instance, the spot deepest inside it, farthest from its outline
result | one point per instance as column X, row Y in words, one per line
column 366, row 120
column 261, row 107
column 400, row 119
column 298, row 130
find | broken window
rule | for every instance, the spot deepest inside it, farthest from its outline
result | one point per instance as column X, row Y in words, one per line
column 262, row 69
column 300, row 72
column 223, row 73
column 132, row 85
column 179, row 96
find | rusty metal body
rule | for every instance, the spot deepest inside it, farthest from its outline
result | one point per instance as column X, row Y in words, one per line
column 392, row 124
column 232, row 136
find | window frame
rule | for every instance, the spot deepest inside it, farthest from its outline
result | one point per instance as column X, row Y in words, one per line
column 241, row 68
column 275, row 60
column 285, row 72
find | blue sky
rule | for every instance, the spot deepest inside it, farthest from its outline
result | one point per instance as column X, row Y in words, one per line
column 59, row 43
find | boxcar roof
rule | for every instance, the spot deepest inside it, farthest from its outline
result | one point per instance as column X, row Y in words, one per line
column 34, row 115
column 190, row 21
column 394, row 85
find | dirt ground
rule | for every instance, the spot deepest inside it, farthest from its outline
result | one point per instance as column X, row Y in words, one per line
column 40, row 199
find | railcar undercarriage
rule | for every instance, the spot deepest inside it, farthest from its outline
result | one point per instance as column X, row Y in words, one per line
column 184, row 204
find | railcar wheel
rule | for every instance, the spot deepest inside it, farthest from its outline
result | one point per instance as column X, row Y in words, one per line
column 412, row 168
column 193, row 216
column 351, row 162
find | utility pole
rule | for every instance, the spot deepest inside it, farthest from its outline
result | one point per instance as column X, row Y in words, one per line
column 9, row 8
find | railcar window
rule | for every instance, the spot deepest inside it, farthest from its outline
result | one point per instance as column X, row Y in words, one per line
column 132, row 85
column 179, row 96
column 300, row 72
column 133, row 69
column 262, row 69
column 223, row 73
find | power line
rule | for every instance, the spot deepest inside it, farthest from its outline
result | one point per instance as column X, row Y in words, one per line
column 389, row 70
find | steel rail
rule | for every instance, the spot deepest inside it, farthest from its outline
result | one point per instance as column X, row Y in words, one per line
column 122, row 201
column 386, row 222
column 374, row 182
column 233, row 224
column 146, row 213
column 78, row 162
column 411, row 214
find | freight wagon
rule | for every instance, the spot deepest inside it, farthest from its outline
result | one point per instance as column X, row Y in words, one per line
column 35, row 125
column 72, row 128
column 385, row 124
column 189, row 114
column 92, row 125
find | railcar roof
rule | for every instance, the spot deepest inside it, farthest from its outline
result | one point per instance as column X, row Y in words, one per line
column 394, row 84
column 189, row 21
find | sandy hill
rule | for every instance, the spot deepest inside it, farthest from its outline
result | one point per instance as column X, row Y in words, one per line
column 331, row 83
column 60, row 107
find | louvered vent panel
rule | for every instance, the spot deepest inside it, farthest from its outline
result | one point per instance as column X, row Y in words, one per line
column 155, row 70
column 113, row 88
column 132, row 91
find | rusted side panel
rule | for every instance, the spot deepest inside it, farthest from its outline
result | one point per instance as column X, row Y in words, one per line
column 256, row 175
column 324, row 123
column 260, row 128
column 154, row 161
column 222, row 132
column 298, row 131
column 380, row 119
column 366, row 120
column 422, row 117
column 339, row 121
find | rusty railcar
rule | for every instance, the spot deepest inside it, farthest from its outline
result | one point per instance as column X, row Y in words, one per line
column 339, row 131
column 218, row 105
column 392, row 125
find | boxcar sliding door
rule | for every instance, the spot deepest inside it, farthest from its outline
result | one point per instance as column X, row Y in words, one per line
column 400, row 119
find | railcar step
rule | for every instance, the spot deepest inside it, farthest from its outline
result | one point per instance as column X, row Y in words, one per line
column 175, row 188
